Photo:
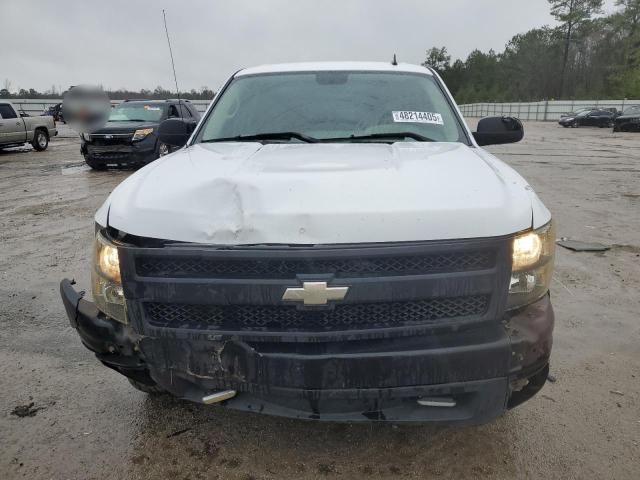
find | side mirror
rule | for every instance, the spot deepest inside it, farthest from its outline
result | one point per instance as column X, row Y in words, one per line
column 175, row 132
column 498, row 130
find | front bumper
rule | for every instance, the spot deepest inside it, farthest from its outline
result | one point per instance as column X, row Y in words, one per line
column 627, row 125
column 484, row 370
column 130, row 154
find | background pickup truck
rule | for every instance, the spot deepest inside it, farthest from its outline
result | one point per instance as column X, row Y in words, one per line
column 18, row 129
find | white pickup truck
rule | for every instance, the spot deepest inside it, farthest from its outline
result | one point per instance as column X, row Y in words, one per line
column 18, row 129
column 330, row 243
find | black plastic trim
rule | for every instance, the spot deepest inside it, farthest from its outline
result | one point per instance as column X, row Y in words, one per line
column 268, row 291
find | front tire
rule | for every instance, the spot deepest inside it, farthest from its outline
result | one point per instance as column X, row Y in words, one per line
column 40, row 140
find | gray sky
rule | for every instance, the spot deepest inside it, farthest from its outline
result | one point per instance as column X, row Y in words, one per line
column 120, row 43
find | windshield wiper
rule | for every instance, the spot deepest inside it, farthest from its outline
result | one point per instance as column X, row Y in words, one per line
column 265, row 136
column 389, row 136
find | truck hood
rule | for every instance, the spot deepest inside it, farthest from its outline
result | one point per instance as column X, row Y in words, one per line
column 249, row 193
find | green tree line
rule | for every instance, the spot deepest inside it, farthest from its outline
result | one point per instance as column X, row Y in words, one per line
column 159, row 93
column 587, row 56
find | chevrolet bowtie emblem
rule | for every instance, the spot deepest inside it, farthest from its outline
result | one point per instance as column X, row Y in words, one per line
column 314, row 293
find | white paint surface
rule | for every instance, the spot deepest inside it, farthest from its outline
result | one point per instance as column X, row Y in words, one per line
column 248, row 193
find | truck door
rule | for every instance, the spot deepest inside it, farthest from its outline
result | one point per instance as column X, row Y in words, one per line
column 11, row 125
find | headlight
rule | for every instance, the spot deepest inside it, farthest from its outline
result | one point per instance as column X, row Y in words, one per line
column 105, row 280
column 141, row 133
column 86, row 137
column 527, row 249
column 532, row 266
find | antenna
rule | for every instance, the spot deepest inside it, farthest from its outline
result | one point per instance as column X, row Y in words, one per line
column 394, row 62
column 173, row 65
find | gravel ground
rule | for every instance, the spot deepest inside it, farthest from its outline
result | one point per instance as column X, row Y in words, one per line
column 86, row 422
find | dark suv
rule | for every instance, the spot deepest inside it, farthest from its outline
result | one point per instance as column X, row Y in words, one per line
column 629, row 121
column 130, row 136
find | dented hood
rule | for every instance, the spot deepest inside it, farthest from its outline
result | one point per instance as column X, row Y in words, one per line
column 249, row 193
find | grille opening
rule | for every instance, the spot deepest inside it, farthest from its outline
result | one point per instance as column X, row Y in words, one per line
column 118, row 139
column 429, row 312
column 197, row 267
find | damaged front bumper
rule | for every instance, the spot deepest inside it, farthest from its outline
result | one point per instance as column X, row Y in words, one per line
column 115, row 344
column 471, row 376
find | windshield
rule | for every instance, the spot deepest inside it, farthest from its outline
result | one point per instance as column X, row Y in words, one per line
column 141, row 112
column 334, row 105
column 632, row 110
column 584, row 113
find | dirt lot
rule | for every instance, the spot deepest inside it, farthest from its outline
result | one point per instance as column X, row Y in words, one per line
column 86, row 421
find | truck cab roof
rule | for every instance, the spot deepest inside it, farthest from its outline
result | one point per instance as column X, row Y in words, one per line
column 335, row 67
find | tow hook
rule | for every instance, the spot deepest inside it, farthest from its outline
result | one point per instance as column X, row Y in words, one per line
column 218, row 397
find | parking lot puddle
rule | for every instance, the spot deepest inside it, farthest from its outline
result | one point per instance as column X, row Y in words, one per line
column 75, row 168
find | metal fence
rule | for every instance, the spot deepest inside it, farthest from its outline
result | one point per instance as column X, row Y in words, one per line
column 39, row 105
column 547, row 110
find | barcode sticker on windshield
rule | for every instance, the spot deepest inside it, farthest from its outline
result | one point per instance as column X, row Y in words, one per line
column 418, row 117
